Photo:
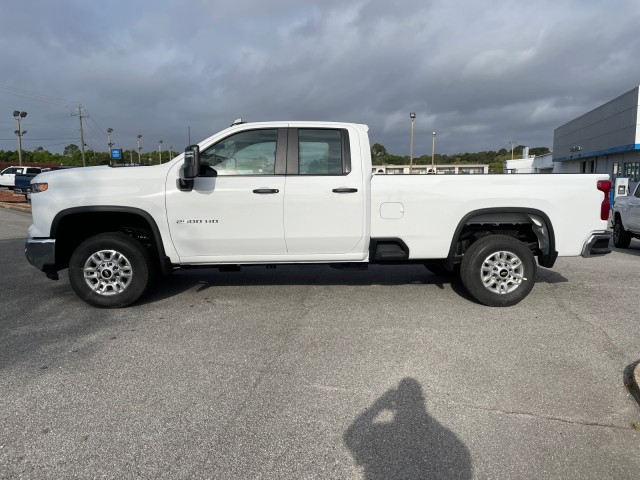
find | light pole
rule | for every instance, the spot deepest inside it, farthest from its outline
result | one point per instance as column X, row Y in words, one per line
column 160, row 152
column 109, row 143
column 412, row 115
column 512, row 142
column 139, row 137
column 170, row 153
column 18, row 115
column 433, row 153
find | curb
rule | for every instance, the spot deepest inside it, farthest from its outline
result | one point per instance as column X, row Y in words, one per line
column 16, row 208
column 632, row 380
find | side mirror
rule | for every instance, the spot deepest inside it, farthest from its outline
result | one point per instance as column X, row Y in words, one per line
column 190, row 168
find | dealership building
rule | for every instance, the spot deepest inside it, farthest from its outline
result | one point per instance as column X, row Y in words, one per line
column 604, row 140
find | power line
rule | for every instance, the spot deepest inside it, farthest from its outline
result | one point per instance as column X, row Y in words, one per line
column 38, row 97
column 41, row 139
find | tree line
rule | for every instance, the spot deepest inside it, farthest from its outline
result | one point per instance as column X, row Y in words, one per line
column 72, row 156
column 379, row 155
column 495, row 159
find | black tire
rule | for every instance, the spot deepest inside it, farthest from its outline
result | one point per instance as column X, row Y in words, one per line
column 621, row 237
column 110, row 270
column 498, row 270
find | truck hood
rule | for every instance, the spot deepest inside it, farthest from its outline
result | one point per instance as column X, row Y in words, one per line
column 102, row 185
column 82, row 174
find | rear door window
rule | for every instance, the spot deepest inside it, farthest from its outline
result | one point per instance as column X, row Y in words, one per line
column 320, row 152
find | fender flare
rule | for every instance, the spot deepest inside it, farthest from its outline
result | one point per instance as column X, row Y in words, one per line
column 549, row 255
column 165, row 264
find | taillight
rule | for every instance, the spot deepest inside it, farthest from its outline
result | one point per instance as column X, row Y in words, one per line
column 605, row 186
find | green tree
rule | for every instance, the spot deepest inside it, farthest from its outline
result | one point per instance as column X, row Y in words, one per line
column 378, row 154
column 70, row 149
column 378, row 150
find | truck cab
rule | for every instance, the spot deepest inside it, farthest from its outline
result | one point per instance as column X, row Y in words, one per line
column 295, row 190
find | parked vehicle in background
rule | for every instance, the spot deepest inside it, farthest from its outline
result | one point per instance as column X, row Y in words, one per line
column 8, row 175
column 23, row 183
column 626, row 218
column 23, row 180
column 303, row 193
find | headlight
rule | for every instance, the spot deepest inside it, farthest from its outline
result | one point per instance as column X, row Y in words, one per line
column 39, row 187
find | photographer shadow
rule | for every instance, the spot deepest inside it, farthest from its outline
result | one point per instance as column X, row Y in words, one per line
column 396, row 438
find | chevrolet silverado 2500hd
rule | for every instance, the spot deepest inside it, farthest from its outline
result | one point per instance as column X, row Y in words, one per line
column 299, row 193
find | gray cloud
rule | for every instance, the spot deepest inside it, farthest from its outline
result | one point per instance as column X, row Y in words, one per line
column 478, row 73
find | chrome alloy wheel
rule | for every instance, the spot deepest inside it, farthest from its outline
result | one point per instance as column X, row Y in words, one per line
column 502, row 272
column 108, row 272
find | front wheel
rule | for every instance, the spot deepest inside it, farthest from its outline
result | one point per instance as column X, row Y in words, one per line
column 498, row 270
column 110, row 270
column 621, row 237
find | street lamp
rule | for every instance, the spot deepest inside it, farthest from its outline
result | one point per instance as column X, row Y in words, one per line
column 412, row 115
column 160, row 152
column 139, row 160
column 433, row 153
column 18, row 115
column 109, row 143
column 512, row 142
column 170, row 153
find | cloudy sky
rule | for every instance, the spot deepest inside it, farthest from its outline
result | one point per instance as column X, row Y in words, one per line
column 479, row 73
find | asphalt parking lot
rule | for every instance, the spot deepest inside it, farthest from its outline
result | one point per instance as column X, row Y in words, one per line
column 317, row 373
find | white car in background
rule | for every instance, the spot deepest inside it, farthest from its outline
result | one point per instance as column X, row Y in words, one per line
column 8, row 175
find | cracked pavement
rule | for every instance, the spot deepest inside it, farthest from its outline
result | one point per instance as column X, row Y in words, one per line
column 312, row 372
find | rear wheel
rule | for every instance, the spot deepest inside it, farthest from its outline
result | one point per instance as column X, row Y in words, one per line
column 110, row 270
column 621, row 237
column 498, row 270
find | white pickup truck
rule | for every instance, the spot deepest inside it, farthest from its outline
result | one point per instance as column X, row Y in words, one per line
column 626, row 218
column 300, row 193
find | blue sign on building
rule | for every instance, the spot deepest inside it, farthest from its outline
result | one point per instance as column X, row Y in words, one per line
column 116, row 153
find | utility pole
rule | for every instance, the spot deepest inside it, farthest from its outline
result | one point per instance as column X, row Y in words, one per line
column 139, row 160
column 81, row 116
column 109, row 144
column 170, row 153
column 160, row 152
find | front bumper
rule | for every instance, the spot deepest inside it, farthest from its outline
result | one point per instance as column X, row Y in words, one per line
column 598, row 243
column 41, row 253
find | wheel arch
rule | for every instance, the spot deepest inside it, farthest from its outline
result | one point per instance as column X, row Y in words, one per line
column 498, row 220
column 617, row 216
column 72, row 226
